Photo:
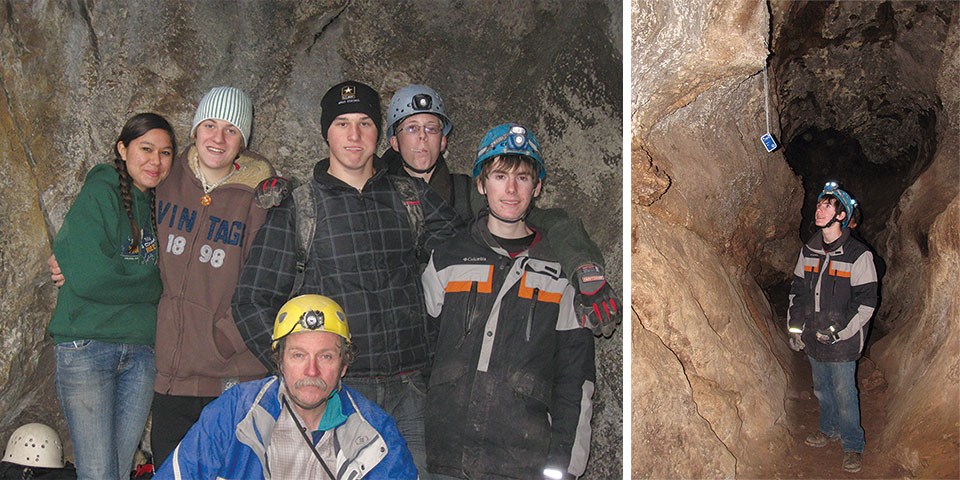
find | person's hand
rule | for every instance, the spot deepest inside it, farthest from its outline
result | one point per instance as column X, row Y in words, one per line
column 271, row 191
column 828, row 336
column 55, row 274
column 795, row 342
column 597, row 305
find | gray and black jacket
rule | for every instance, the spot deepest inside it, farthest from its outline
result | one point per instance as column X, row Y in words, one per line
column 513, row 377
column 836, row 288
column 363, row 256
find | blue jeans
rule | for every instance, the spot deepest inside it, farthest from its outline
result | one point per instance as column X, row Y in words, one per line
column 105, row 391
column 403, row 397
column 835, row 385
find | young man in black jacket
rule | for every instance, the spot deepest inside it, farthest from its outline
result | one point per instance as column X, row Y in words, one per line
column 513, row 378
column 363, row 252
column 833, row 296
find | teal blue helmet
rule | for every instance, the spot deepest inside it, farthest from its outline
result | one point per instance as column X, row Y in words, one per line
column 507, row 139
column 846, row 201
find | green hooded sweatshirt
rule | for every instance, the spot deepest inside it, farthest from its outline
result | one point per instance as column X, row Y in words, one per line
column 111, row 293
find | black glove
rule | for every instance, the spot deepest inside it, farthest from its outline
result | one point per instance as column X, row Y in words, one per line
column 829, row 335
column 271, row 191
column 597, row 305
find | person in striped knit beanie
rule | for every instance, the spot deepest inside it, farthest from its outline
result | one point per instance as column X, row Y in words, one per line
column 199, row 351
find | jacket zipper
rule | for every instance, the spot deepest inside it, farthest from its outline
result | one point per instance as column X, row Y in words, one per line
column 533, row 308
column 468, row 313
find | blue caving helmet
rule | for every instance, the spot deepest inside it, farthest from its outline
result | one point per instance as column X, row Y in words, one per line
column 414, row 99
column 506, row 139
column 848, row 202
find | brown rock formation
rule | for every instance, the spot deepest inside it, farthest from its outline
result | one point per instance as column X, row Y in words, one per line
column 921, row 356
column 863, row 91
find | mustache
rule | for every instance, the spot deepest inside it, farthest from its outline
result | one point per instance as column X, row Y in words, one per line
column 311, row 382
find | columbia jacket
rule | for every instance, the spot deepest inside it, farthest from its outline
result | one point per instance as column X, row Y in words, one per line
column 199, row 349
column 363, row 256
column 513, row 378
column 230, row 440
column 837, row 288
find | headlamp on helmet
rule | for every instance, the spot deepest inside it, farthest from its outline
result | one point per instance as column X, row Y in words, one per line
column 506, row 139
column 422, row 101
column 414, row 99
column 310, row 313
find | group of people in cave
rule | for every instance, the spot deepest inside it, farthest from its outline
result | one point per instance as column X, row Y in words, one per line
column 301, row 329
column 286, row 328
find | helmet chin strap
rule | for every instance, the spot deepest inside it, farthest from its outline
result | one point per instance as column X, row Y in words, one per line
column 833, row 220
column 418, row 170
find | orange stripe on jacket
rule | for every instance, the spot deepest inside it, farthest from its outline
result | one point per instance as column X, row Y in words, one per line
column 485, row 286
column 543, row 296
column 839, row 273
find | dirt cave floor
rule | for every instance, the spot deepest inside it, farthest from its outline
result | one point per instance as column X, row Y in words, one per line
column 803, row 416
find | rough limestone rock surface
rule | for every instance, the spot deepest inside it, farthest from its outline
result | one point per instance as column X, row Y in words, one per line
column 72, row 72
column 921, row 357
column 716, row 220
column 710, row 198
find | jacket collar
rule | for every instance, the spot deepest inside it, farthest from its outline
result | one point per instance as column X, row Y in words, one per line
column 816, row 243
column 323, row 177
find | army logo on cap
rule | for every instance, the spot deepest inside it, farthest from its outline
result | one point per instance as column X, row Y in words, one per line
column 348, row 92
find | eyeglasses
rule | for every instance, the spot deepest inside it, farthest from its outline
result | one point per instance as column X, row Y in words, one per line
column 414, row 129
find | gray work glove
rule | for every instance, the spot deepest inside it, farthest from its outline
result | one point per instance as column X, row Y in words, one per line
column 829, row 335
column 597, row 305
column 796, row 343
column 271, row 191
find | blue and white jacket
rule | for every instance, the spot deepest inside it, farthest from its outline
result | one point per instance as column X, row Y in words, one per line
column 230, row 440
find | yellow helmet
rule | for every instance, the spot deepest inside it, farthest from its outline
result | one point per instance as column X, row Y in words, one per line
column 310, row 312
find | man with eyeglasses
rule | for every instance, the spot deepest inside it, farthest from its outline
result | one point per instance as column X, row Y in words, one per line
column 417, row 127
column 832, row 298
column 363, row 251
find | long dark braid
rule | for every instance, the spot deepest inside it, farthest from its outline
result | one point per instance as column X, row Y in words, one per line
column 125, row 183
column 136, row 127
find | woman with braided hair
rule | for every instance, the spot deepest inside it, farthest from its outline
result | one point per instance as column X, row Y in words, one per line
column 104, row 324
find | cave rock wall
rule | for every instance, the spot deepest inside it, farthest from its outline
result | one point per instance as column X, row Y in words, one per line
column 921, row 356
column 708, row 381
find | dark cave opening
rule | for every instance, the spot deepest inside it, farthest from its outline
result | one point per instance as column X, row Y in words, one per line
column 820, row 155
column 857, row 105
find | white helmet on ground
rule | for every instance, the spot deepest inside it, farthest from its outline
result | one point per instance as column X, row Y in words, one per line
column 35, row 445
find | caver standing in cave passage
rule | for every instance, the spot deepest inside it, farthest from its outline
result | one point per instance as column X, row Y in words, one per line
column 832, row 299
column 417, row 127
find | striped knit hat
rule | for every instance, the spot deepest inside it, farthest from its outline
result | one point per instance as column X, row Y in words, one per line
column 228, row 104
